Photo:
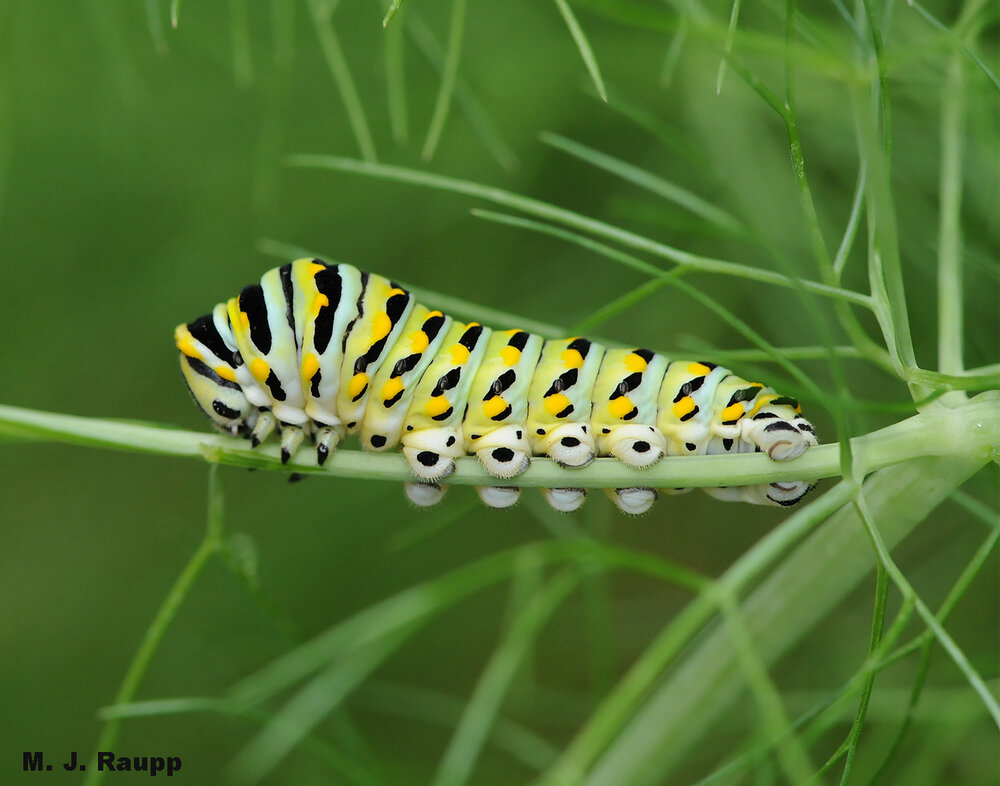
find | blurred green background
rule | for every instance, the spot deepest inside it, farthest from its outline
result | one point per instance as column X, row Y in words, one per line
column 140, row 166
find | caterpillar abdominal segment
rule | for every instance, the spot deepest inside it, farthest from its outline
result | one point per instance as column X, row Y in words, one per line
column 319, row 352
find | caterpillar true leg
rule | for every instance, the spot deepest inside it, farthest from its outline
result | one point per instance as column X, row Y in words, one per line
column 325, row 351
column 263, row 427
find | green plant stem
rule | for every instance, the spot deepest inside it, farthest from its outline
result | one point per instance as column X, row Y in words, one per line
column 210, row 545
column 878, row 621
column 950, row 312
column 971, row 430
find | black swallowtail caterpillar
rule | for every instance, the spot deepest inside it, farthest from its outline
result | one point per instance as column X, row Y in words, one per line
column 323, row 351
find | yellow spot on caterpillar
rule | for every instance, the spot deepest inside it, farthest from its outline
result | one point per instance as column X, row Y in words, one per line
column 381, row 326
column 572, row 358
column 494, row 406
column 459, row 354
column 684, row 407
column 557, row 402
column 762, row 401
column 186, row 346
column 392, row 388
column 310, row 365
column 732, row 412
column 510, row 355
column 245, row 320
column 259, row 369
column 620, row 407
column 418, row 341
column 395, row 291
column 437, row 405
column 356, row 385
column 634, row 362
column 698, row 369
column 314, row 269
column 319, row 302
column 226, row 373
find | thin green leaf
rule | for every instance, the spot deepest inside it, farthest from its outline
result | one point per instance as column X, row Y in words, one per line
column 395, row 83
column 671, row 58
column 949, row 645
column 393, row 8
column 161, row 621
column 617, row 747
column 240, row 35
column 957, row 40
column 645, row 179
column 544, row 210
column 341, row 73
column 484, row 704
column 456, row 306
column 727, row 47
column 440, row 709
column 586, row 52
column 456, row 32
column 155, row 25
column 484, row 127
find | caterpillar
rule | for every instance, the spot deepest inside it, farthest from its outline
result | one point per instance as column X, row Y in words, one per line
column 321, row 351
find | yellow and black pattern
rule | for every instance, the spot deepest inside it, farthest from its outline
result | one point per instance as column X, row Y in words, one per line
column 319, row 351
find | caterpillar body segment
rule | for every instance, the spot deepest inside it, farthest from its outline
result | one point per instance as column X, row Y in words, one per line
column 433, row 436
column 318, row 351
column 559, row 401
column 394, row 385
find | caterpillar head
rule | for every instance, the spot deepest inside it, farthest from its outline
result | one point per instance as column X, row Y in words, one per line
column 570, row 445
column 504, row 452
column 633, row 445
column 431, row 452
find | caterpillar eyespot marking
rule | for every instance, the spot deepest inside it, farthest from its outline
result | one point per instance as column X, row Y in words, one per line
column 318, row 351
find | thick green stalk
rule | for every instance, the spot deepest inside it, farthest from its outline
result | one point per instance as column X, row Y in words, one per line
column 971, row 430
